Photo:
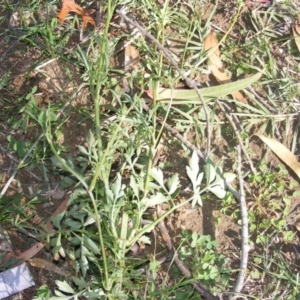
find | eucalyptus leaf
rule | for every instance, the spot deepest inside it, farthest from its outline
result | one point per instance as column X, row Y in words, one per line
column 188, row 96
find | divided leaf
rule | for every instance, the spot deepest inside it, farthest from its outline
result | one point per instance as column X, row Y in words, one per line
column 193, row 173
column 158, row 175
column 173, row 183
column 64, row 287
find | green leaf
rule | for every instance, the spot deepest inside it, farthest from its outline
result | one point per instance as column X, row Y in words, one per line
column 158, row 175
column 173, row 183
column 57, row 219
column 91, row 244
column 83, row 150
column 229, row 177
column 80, row 282
column 145, row 240
column 64, row 287
column 213, row 273
column 210, row 172
column 218, row 191
column 117, row 187
column 184, row 96
column 154, row 200
column 193, row 170
column 134, row 186
column 84, row 264
column 194, row 163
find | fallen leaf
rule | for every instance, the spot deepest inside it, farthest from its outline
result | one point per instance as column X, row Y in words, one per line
column 86, row 17
column 282, row 152
column 216, row 65
column 296, row 32
column 31, row 252
column 188, row 96
column 67, row 7
column 70, row 6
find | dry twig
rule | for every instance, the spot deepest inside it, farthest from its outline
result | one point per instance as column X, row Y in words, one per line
column 245, row 234
column 180, row 137
column 236, row 131
column 180, row 265
column 189, row 82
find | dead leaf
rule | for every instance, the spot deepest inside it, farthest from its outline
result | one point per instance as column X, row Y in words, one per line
column 31, row 252
column 67, row 7
column 24, row 256
column 86, row 17
column 216, row 65
column 70, row 6
column 282, row 152
column 296, row 32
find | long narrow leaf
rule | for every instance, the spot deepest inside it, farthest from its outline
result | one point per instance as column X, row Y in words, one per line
column 185, row 96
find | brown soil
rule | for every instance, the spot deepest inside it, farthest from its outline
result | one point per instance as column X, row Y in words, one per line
column 56, row 80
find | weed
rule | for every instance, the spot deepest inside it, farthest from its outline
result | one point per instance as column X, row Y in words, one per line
column 113, row 179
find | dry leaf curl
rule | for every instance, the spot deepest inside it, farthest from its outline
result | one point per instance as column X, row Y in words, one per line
column 70, row 6
column 216, row 65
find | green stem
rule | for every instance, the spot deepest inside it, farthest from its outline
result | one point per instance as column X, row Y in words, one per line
column 101, row 73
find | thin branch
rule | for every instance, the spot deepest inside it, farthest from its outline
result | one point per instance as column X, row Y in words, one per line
column 180, row 137
column 180, row 265
column 14, row 159
column 189, row 82
column 236, row 131
column 245, row 233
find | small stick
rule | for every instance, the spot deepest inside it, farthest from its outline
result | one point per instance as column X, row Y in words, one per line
column 234, row 117
column 245, row 233
column 189, row 82
column 229, row 118
column 7, row 153
column 180, row 265
column 180, row 137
